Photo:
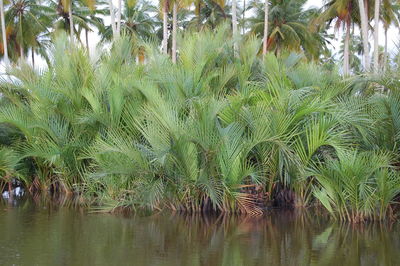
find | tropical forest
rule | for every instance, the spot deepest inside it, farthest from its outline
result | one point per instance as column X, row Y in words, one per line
column 206, row 132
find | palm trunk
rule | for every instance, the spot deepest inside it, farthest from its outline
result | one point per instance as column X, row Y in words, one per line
column 346, row 61
column 141, row 57
column 364, row 33
column 71, row 21
column 21, row 51
column 87, row 40
column 265, row 41
column 165, row 28
column 234, row 28
column 197, row 11
column 3, row 30
column 33, row 57
column 21, row 40
column 243, row 17
column 112, row 17
column 386, row 55
column 119, row 18
column 376, row 37
column 174, row 30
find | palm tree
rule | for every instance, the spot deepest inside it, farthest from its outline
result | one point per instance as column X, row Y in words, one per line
column 27, row 19
column 234, row 27
column 165, row 8
column 376, row 36
column 119, row 11
column 364, row 32
column 265, row 38
column 67, row 6
column 136, row 21
column 174, row 29
column 3, row 31
column 112, row 17
column 288, row 27
column 389, row 16
column 343, row 12
column 355, row 48
column 84, row 15
column 208, row 14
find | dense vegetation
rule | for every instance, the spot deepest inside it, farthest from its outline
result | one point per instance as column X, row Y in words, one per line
column 211, row 132
column 203, row 105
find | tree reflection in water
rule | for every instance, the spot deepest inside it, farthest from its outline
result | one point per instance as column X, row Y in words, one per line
column 44, row 232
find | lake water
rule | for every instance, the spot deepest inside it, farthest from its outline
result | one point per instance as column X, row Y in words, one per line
column 43, row 233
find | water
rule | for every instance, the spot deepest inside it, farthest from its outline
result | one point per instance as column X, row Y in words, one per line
column 47, row 234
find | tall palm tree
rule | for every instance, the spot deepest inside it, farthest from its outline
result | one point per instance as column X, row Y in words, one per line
column 265, row 39
column 136, row 21
column 342, row 13
column 390, row 16
column 288, row 26
column 234, row 27
column 67, row 6
column 112, row 18
column 209, row 13
column 85, row 15
column 165, row 6
column 119, row 11
column 27, row 19
column 376, row 35
column 364, row 32
column 3, row 31
column 174, row 29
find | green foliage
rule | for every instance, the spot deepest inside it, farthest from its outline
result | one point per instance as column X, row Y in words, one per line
column 357, row 186
column 205, row 133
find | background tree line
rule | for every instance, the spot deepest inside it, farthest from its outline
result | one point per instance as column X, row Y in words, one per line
column 28, row 26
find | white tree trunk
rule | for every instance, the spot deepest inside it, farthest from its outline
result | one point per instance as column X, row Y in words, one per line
column 376, row 37
column 119, row 18
column 364, row 33
column 234, row 28
column 21, row 40
column 386, row 55
column 243, row 18
column 174, row 30
column 112, row 17
column 165, row 27
column 71, row 21
column 87, row 40
column 21, row 52
column 265, row 39
column 3, row 30
column 33, row 57
column 346, row 59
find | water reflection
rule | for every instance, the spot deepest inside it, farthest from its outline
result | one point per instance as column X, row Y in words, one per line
column 44, row 234
column 16, row 192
